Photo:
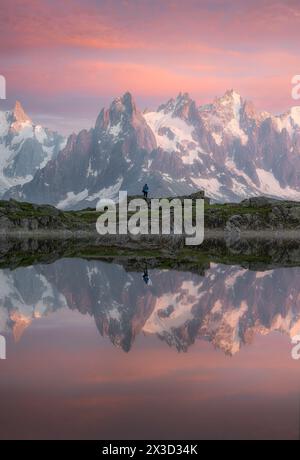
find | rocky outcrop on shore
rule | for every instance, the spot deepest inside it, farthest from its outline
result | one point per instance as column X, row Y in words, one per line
column 231, row 219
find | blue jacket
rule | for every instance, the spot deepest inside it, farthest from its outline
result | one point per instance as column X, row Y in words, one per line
column 145, row 188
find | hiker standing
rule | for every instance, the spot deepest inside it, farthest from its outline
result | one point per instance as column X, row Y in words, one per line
column 145, row 191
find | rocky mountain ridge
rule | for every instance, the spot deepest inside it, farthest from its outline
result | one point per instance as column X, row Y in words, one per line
column 227, row 148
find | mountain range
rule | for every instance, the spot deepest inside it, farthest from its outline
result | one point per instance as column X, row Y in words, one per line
column 25, row 148
column 227, row 148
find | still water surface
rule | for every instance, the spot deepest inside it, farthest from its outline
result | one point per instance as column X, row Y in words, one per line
column 93, row 352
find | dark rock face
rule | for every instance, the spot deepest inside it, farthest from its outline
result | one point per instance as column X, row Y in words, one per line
column 226, row 148
column 68, row 168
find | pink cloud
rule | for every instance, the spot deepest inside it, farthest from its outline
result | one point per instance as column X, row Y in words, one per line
column 70, row 50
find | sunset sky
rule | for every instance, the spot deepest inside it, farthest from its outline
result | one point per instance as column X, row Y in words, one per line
column 65, row 59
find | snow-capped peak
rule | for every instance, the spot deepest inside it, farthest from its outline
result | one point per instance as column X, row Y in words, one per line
column 182, row 99
column 295, row 115
column 182, row 107
column 24, row 147
column 20, row 116
column 231, row 102
column 289, row 121
column 230, row 96
column 121, row 110
column 121, row 119
column 123, row 104
column 224, row 117
column 174, row 124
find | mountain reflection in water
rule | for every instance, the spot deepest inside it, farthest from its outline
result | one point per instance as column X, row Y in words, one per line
column 61, row 379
